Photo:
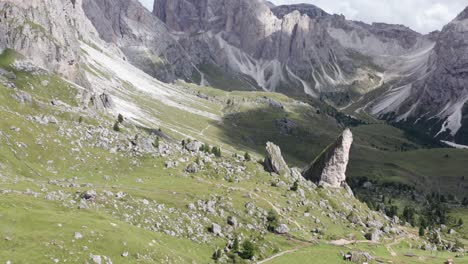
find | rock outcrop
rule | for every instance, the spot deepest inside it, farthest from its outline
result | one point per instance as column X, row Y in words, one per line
column 48, row 32
column 143, row 38
column 273, row 48
column 329, row 169
column 436, row 98
column 274, row 161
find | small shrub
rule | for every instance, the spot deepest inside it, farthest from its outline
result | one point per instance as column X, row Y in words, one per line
column 235, row 245
column 422, row 231
column 116, row 127
column 248, row 250
column 459, row 244
column 120, row 118
column 156, row 142
column 247, row 157
column 295, row 186
column 217, row 254
column 273, row 221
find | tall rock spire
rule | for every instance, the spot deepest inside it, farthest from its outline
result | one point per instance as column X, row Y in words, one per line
column 329, row 168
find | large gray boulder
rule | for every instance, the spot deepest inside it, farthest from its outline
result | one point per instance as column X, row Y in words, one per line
column 193, row 146
column 274, row 161
column 329, row 169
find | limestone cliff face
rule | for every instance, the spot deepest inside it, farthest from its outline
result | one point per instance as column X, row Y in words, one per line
column 144, row 39
column 48, row 32
column 329, row 169
column 437, row 98
column 289, row 52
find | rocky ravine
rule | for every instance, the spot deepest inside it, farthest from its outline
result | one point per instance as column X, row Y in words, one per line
column 436, row 99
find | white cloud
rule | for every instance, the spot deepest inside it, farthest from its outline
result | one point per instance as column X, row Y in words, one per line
column 148, row 4
column 421, row 15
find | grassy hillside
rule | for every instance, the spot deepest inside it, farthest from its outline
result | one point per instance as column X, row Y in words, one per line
column 72, row 188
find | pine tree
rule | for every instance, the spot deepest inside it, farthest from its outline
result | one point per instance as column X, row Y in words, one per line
column 295, row 186
column 217, row 254
column 248, row 250
column 273, row 221
column 465, row 201
column 235, row 245
column 120, row 118
column 422, row 231
column 116, row 127
column 247, row 157
column 156, row 142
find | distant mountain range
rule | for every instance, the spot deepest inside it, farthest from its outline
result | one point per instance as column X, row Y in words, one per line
column 299, row 50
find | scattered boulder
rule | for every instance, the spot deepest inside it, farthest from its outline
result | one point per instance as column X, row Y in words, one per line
column 78, row 235
column 89, row 195
column 192, row 168
column 329, row 169
column 170, row 164
column 282, row 229
column 274, row 161
column 101, row 102
column 193, row 146
column 7, row 74
column 286, row 126
column 275, row 104
column 373, row 235
column 358, row 257
column 232, row 221
column 144, row 144
column 96, row 259
column 216, row 229
column 22, row 97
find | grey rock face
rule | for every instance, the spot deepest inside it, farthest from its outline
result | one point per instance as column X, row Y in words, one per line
column 270, row 48
column 192, row 168
column 143, row 38
column 99, row 102
column 274, row 161
column 440, row 92
column 22, row 97
column 232, row 221
column 193, row 146
column 282, row 229
column 46, row 32
column 216, row 229
column 329, row 169
column 374, row 235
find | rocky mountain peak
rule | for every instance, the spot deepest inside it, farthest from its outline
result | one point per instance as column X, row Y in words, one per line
column 305, row 9
column 329, row 169
column 463, row 15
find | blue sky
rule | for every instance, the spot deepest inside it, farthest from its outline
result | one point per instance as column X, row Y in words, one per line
column 421, row 15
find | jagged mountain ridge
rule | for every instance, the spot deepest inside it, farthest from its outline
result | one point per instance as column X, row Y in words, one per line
column 436, row 99
column 278, row 50
column 298, row 50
